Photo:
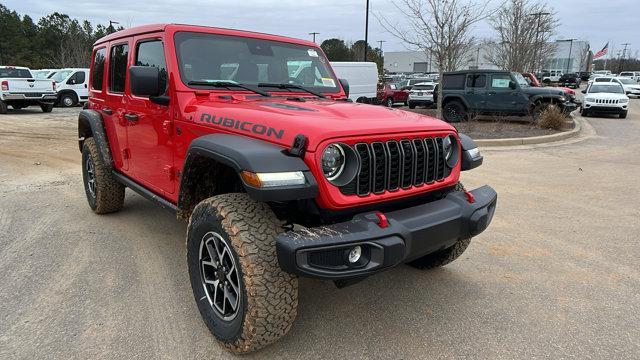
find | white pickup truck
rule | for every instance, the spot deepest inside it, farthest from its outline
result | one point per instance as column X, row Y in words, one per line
column 19, row 89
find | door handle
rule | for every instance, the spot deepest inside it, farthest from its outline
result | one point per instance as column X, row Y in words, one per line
column 131, row 117
column 107, row 111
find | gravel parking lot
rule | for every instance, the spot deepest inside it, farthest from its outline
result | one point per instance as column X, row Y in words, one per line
column 555, row 276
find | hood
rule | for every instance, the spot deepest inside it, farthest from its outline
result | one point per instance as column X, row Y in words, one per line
column 548, row 91
column 280, row 119
column 606, row 96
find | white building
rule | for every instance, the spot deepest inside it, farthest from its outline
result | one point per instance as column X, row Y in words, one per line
column 569, row 56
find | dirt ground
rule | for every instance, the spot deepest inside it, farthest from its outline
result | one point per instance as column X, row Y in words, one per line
column 555, row 276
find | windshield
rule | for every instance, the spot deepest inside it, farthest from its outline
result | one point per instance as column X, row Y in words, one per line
column 61, row 75
column 613, row 89
column 627, row 81
column 40, row 74
column 215, row 58
column 520, row 79
column 9, row 72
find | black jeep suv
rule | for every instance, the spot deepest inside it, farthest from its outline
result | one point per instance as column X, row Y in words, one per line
column 496, row 92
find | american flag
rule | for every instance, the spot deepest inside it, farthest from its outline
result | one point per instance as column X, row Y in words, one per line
column 602, row 52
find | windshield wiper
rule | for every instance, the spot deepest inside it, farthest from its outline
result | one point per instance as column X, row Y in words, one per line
column 292, row 86
column 228, row 85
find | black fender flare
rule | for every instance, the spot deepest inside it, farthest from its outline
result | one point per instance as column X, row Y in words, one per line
column 246, row 154
column 471, row 157
column 90, row 125
column 446, row 98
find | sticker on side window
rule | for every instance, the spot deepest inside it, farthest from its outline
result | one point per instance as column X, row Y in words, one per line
column 312, row 53
column 328, row 82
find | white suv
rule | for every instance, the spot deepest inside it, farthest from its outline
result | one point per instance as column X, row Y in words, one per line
column 631, row 87
column 421, row 94
column 605, row 97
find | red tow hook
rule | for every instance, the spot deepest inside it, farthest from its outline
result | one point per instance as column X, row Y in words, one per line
column 470, row 197
column 382, row 220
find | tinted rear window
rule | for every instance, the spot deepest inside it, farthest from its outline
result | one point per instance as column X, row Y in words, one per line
column 423, row 87
column 453, row 82
column 118, row 67
column 15, row 73
column 98, row 69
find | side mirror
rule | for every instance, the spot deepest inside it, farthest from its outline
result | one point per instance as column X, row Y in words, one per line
column 345, row 86
column 512, row 85
column 584, row 91
column 144, row 80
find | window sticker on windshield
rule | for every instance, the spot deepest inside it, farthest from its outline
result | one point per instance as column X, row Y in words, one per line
column 328, row 82
column 312, row 53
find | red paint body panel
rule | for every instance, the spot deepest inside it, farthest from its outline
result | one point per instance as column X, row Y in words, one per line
column 152, row 150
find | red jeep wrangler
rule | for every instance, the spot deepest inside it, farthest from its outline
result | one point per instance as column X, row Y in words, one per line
column 279, row 176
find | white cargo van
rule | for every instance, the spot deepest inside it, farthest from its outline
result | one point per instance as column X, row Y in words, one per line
column 72, row 85
column 362, row 78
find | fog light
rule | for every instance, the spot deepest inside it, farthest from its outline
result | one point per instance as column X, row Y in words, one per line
column 354, row 254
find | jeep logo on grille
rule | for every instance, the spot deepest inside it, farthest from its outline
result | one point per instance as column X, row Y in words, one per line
column 247, row 126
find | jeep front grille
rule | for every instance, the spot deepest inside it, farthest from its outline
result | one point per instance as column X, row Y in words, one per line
column 395, row 165
column 606, row 101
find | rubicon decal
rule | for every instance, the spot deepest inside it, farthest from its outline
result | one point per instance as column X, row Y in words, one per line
column 247, row 126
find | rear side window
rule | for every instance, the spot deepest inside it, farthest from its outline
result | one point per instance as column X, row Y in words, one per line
column 118, row 67
column 453, row 82
column 476, row 81
column 98, row 69
column 151, row 53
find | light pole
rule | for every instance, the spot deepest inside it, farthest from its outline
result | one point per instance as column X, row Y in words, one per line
column 314, row 35
column 570, row 46
column 621, row 61
column 536, row 51
column 111, row 28
column 366, row 32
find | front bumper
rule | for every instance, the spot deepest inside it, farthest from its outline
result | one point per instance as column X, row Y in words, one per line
column 602, row 108
column 569, row 106
column 411, row 233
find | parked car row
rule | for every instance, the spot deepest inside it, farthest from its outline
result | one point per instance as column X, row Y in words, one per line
column 71, row 84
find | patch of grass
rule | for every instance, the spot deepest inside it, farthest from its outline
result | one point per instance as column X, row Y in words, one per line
column 552, row 118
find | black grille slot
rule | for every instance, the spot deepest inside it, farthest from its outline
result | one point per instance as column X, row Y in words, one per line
column 379, row 167
column 431, row 160
column 407, row 163
column 327, row 258
column 364, row 176
column 441, row 162
column 420, row 161
column 395, row 164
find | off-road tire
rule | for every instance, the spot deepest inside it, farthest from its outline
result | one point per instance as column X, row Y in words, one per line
column 538, row 109
column 3, row 107
column 445, row 256
column 109, row 193
column 269, row 296
column 46, row 108
column 454, row 111
column 412, row 106
column 623, row 115
column 68, row 100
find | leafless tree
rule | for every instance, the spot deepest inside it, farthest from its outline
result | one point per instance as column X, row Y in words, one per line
column 440, row 27
column 524, row 29
column 583, row 53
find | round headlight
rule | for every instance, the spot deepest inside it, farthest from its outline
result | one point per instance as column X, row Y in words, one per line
column 333, row 161
column 450, row 148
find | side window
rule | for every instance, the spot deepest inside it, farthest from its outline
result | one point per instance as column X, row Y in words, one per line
column 80, row 77
column 151, row 53
column 98, row 69
column 476, row 81
column 500, row 81
column 118, row 67
column 453, row 82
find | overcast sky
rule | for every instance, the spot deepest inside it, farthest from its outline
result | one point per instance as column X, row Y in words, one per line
column 596, row 21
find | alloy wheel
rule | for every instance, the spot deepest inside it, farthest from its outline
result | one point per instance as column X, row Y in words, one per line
column 91, row 177
column 219, row 275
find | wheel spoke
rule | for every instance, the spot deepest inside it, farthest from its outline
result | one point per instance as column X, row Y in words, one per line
column 211, row 251
column 233, row 299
